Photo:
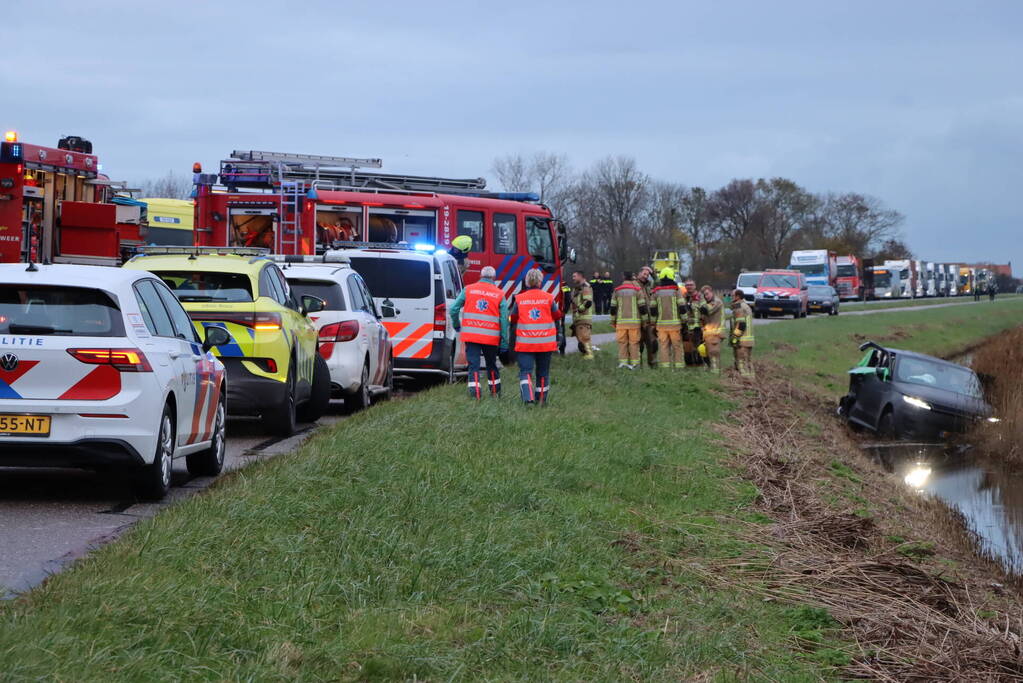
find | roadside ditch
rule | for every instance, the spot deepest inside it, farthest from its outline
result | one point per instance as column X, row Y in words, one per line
column 918, row 592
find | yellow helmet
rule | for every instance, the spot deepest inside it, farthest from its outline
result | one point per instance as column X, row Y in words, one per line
column 666, row 273
column 462, row 243
column 702, row 348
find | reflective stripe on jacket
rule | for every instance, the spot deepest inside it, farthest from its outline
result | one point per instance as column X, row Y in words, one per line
column 535, row 329
column 665, row 303
column 481, row 315
column 625, row 304
column 713, row 319
column 742, row 313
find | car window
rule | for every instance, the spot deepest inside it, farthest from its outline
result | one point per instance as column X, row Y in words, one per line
column 748, row 280
column 389, row 278
column 778, row 280
column 155, row 313
column 506, row 240
column 471, row 223
column 371, row 304
column 58, row 310
column 288, row 297
column 276, row 290
column 331, row 292
column 183, row 328
column 945, row 376
column 355, row 295
column 455, row 277
column 207, row 285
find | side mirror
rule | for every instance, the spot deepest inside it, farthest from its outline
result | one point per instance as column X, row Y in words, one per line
column 215, row 336
column 312, row 304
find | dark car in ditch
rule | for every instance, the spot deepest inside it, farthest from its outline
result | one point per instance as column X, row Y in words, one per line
column 904, row 394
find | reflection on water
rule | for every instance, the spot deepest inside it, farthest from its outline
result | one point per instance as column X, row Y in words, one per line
column 989, row 497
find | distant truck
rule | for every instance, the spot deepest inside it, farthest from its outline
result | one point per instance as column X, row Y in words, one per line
column 818, row 266
column 907, row 278
column 887, row 282
column 930, row 279
column 849, row 278
column 965, row 281
column 952, row 278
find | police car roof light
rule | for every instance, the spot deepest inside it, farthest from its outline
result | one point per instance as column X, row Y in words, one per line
column 258, row 252
column 424, row 246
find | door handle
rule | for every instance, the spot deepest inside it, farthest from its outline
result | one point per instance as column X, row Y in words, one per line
column 176, row 354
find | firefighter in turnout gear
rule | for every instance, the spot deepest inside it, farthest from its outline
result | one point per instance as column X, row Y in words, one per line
column 741, row 338
column 666, row 309
column 691, row 334
column 626, row 318
column 481, row 314
column 460, row 248
column 581, row 307
column 712, row 314
column 648, row 329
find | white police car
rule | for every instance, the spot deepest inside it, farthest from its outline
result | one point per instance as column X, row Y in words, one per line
column 101, row 368
column 352, row 339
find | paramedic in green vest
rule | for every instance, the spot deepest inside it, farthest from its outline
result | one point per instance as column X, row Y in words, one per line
column 741, row 338
column 666, row 310
column 480, row 314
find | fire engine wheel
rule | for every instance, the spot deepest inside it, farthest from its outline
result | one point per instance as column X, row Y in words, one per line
column 153, row 481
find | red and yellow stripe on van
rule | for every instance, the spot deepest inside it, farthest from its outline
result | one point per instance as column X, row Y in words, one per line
column 411, row 340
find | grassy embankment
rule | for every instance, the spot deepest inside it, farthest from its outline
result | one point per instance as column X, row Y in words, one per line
column 435, row 538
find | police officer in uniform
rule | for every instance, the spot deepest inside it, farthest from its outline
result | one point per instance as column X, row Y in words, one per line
column 582, row 313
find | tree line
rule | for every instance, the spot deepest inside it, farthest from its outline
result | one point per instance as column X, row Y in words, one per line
column 617, row 215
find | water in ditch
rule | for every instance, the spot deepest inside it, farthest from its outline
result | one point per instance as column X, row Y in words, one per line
column 988, row 496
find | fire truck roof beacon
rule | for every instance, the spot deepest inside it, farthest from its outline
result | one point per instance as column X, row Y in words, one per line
column 11, row 136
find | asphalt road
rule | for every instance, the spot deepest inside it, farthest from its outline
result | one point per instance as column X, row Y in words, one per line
column 49, row 518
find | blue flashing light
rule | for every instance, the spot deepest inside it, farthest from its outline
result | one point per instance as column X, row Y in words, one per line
column 424, row 246
column 517, row 196
column 312, row 194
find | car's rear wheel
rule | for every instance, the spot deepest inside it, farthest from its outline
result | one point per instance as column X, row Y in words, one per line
column 361, row 399
column 388, row 380
column 210, row 462
column 153, row 481
column 319, row 396
column 282, row 419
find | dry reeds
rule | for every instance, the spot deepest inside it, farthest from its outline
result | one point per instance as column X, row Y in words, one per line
column 907, row 623
column 1000, row 363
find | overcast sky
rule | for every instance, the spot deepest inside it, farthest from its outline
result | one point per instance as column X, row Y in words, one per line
column 918, row 103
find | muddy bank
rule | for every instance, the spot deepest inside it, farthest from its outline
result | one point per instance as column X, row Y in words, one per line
column 894, row 568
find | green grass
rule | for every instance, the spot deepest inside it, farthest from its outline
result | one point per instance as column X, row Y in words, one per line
column 436, row 538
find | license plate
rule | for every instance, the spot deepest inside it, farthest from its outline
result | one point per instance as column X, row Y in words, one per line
column 776, row 308
column 816, row 308
column 24, row 425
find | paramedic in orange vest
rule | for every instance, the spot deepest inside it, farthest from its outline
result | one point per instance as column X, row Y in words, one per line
column 481, row 314
column 536, row 337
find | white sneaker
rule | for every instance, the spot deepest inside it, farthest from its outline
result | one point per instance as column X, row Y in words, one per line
column 594, row 348
column 624, row 365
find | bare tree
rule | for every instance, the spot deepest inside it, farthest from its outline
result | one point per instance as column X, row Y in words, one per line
column 171, row 186
column 699, row 226
column 783, row 209
column 610, row 199
column 859, row 222
column 512, row 173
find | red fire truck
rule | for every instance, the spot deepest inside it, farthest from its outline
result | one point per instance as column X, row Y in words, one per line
column 56, row 206
column 300, row 204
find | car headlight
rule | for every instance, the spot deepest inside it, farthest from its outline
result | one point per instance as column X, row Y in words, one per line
column 916, row 402
column 994, row 419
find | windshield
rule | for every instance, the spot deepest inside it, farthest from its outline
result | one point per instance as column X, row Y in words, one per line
column 904, row 274
column 821, row 292
column 810, row 269
column 68, row 311
column 929, row 373
column 882, row 278
column 774, row 280
column 748, row 280
column 538, row 239
column 207, row 285
column 327, row 290
column 394, row 278
column 847, row 270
